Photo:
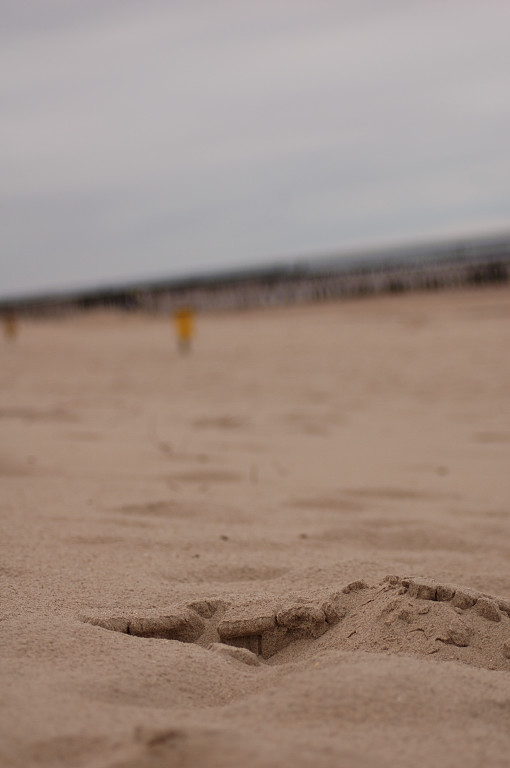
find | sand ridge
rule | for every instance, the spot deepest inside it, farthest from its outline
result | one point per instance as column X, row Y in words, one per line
column 400, row 615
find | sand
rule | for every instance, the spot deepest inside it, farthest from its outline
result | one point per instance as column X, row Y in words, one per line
column 289, row 547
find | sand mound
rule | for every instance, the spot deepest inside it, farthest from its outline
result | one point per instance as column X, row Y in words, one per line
column 414, row 616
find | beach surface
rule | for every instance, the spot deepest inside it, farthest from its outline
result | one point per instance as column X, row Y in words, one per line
column 290, row 546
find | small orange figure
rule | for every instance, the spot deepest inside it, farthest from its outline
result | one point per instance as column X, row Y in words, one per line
column 185, row 326
column 10, row 326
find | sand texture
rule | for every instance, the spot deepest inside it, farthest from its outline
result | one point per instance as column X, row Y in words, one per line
column 290, row 547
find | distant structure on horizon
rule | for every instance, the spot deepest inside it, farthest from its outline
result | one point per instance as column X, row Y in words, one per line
column 452, row 264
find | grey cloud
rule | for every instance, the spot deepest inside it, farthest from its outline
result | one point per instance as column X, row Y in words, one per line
column 160, row 137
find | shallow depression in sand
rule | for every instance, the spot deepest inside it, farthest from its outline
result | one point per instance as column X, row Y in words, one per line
column 401, row 615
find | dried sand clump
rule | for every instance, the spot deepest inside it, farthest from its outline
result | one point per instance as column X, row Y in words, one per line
column 412, row 615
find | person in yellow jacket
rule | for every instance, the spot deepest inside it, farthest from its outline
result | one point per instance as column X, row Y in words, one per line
column 10, row 325
column 185, row 327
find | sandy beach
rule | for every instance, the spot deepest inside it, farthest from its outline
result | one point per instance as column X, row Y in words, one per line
column 290, row 547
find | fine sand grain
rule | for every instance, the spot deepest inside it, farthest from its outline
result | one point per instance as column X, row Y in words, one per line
column 288, row 547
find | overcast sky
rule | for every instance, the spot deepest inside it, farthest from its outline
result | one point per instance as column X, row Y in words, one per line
column 151, row 138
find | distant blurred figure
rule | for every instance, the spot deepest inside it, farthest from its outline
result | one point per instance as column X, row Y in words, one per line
column 185, row 327
column 10, row 326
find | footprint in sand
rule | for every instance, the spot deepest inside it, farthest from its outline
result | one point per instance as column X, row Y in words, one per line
column 399, row 615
